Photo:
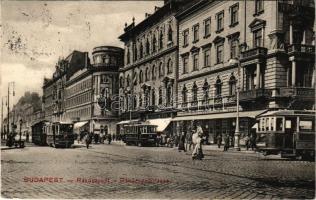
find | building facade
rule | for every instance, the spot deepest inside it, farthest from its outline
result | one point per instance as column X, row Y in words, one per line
column 260, row 47
column 148, row 78
column 90, row 88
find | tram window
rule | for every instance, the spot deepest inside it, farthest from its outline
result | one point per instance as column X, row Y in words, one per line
column 279, row 124
column 267, row 124
column 272, row 124
column 306, row 125
column 262, row 124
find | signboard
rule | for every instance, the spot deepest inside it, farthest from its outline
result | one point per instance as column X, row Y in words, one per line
column 288, row 124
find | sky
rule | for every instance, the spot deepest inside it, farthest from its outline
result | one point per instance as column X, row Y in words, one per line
column 35, row 34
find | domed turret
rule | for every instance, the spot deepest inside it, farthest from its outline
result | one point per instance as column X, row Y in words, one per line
column 108, row 57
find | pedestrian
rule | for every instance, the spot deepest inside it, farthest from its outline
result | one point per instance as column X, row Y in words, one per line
column 176, row 140
column 253, row 141
column 109, row 138
column 226, row 142
column 96, row 138
column 27, row 136
column 102, row 138
column 197, row 151
column 158, row 140
column 247, row 142
column 181, row 142
column 88, row 139
column 189, row 140
column 219, row 140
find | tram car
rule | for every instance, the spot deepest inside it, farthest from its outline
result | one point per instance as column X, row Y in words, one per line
column 60, row 134
column 38, row 133
column 140, row 134
column 289, row 132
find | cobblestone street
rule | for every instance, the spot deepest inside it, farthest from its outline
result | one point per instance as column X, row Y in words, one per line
column 115, row 171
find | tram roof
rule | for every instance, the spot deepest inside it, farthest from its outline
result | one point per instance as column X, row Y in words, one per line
column 289, row 113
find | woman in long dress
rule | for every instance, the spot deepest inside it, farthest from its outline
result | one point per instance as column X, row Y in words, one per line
column 197, row 151
column 181, row 142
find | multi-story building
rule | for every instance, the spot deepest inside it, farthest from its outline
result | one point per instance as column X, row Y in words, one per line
column 265, row 48
column 91, row 90
column 148, row 78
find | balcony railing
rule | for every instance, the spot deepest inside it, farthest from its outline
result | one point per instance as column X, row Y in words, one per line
column 303, row 92
column 255, row 52
column 301, row 48
column 254, row 94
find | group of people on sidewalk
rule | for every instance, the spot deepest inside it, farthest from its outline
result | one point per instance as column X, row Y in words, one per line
column 88, row 137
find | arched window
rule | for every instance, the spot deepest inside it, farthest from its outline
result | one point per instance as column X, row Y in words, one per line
column 161, row 40
column 153, row 72
column 140, row 100
column 154, row 43
column 169, row 95
column 153, row 97
column 140, row 76
column 135, row 51
column 160, row 96
column 161, row 70
column 218, row 87
column 147, row 47
column 170, row 34
column 141, row 50
column 169, row 66
column 206, row 89
column 184, row 94
column 128, row 81
column 147, row 74
column 232, row 85
column 194, row 92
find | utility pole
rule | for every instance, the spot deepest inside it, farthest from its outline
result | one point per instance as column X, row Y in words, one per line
column 2, row 134
column 8, row 124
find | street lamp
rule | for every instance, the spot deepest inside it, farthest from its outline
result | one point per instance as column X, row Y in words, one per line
column 9, row 84
column 21, row 121
column 237, row 132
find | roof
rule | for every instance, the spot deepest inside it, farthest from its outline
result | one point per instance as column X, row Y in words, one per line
column 289, row 113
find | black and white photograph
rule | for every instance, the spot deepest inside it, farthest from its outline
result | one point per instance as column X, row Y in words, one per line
column 157, row 99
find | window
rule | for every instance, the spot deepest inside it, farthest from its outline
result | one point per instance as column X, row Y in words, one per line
column 257, row 38
column 259, row 7
column 196, row 33
column 207, row 27
column 272, row 124
column 154, row 43
column 220, row 21
column 121, row 82
column 160, row 96
column 306, row 124
column 127, row 81
column 141, row 50
column 147, row 74
column 219, row 53
column 234, row 15
column 194, row 92
column 135, row 78
column 169, row 95
column 232, row 85
column 169, row 67
column 170, row 34
column 160, row 70
column 185, row 37
column 234, row 51
column 128, row 55
column 195, row 61
column 206, row 89
column 161, row 40
column 153, row 97
column 184, row 95
column 185, row 64
column 140, row 76
column 218, row 87
column 153, row 72
column 207, row 57
column 140, row 100
column 135, row 51
column 147, row 47
column 279, row 124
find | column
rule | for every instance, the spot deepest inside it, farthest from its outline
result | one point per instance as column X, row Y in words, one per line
column 291, row 33
column 258, row 76
column 293, row 73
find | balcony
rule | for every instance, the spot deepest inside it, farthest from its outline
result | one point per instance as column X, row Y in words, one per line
column 298, row 92
column 255, row 94
column 257, row 52
column 301, row 49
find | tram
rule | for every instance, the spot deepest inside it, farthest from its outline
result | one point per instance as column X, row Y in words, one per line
column 140, row 134
column 38, row 133
column 59, row 134
column 289, row 132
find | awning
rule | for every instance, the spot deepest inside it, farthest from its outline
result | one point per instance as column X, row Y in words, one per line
column 127, row 121
column 161, row 123
column 249, row 114
column 80, row 124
